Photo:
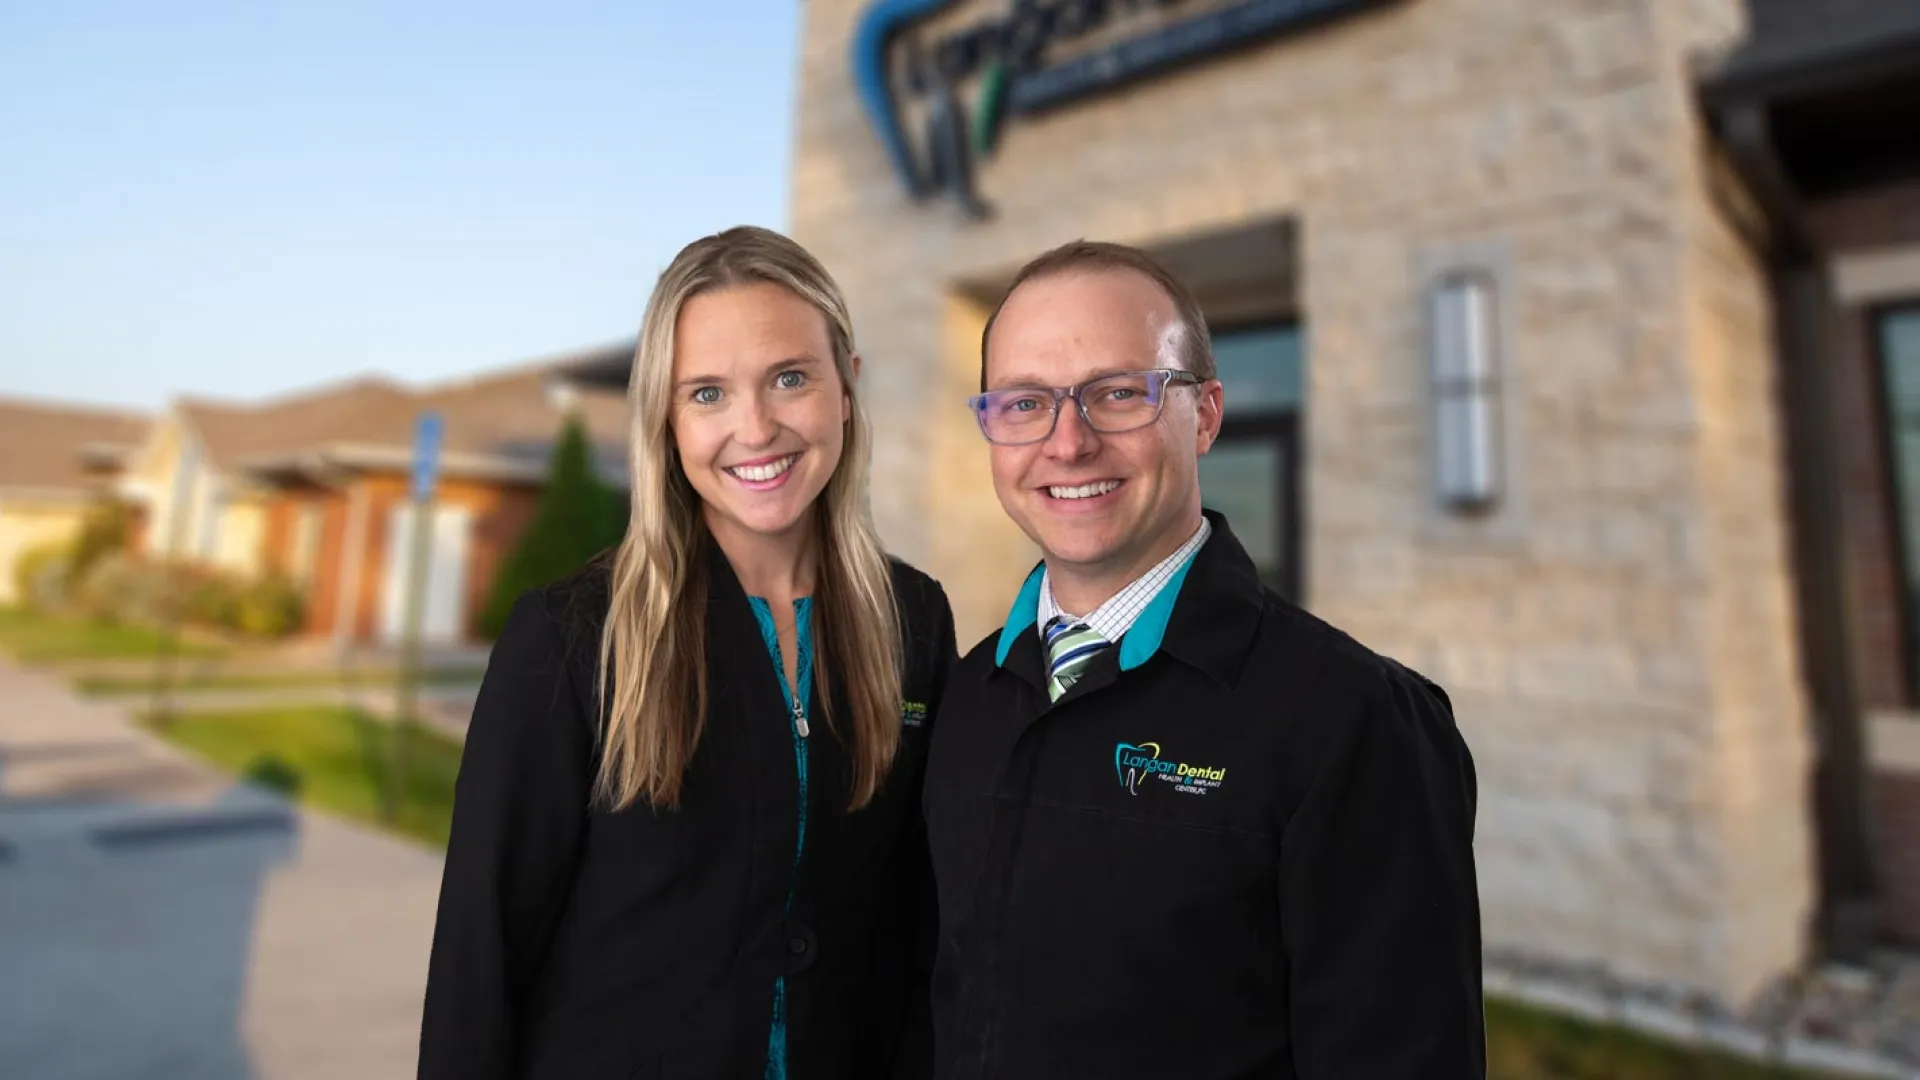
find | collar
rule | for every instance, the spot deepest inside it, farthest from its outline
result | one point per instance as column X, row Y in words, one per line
column 1112, row 619
column 723, row 585
column 1206, row 615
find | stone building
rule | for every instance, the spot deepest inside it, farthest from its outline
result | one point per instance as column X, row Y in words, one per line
column 1562, row 342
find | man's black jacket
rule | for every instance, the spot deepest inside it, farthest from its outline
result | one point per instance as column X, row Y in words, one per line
column 1240, row 846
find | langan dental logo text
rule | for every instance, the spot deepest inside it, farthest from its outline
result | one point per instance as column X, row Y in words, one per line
column 1134, row 763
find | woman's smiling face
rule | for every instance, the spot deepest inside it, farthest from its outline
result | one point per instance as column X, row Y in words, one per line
column 759, row 412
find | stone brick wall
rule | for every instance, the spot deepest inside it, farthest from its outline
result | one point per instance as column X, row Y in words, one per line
column 1754, row 657
column 1619, row 640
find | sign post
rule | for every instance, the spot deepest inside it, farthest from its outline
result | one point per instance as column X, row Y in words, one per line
column 427, row 434
column 166, row 655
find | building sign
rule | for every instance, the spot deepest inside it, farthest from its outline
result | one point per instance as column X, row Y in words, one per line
column 1037, row 55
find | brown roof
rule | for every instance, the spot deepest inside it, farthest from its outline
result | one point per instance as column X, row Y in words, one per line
column 605, row 367
column 518, row 414
column 65, row 449
column 507, row 420
column 230, row 433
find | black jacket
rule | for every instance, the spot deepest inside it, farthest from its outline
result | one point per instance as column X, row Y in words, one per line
column 578, row 944
column 1241, row 849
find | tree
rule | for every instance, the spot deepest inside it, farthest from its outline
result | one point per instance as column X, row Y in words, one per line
column 578, row 517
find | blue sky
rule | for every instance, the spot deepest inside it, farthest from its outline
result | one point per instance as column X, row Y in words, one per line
column 241, row 199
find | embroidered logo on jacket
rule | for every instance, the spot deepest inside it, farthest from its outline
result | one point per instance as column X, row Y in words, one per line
column 913, row 713
column 1134, row 763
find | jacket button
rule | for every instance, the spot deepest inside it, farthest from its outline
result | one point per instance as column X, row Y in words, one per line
column 803, row 947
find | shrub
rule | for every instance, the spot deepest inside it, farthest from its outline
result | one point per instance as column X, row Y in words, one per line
column 40, row 577
column 209, row 598
column 271, row 607
column 272, row 772
column 122, row 588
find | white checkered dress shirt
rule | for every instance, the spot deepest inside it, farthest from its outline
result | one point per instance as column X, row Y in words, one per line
column 1112, row 619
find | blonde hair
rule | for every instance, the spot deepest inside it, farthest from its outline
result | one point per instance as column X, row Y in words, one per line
column 653, row 664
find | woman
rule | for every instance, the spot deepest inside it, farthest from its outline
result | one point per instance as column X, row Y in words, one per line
column 686, row 836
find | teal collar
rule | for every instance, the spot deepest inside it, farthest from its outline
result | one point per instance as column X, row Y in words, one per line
column 1024, row 613
column 1137, row 645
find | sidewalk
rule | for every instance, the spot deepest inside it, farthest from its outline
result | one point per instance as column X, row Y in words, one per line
column 158, row 920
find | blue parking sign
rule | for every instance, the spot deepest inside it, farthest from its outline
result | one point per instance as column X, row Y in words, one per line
column 426, row 454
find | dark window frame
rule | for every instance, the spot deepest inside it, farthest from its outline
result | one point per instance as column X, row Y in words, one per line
column 1264, row 326
column 1877, row 317
column 1281, row 427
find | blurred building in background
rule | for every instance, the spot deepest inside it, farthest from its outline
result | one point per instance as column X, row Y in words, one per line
column 1570, row 356
column 55, row 462
column 1817, row 118
column 314, row 487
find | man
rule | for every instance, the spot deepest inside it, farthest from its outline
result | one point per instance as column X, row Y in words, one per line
column 1179, row 826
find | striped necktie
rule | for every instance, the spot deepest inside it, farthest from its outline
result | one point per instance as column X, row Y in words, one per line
column 1071, row 646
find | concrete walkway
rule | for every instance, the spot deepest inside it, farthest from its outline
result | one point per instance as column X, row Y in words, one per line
column 159, row 921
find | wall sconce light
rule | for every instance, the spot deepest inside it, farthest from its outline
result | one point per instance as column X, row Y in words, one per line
column 1463, row 362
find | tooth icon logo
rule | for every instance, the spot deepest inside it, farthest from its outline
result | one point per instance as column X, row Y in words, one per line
column 1131, row 762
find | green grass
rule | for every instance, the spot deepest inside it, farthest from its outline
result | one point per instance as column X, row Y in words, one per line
column 273, row 680
column 32, row 637
column 1531, row 1044
column 329, row 757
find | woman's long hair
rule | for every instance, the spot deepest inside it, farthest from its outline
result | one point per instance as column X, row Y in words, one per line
column 653, row 651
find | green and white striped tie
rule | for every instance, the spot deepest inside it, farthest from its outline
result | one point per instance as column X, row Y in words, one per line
column 1071, row 646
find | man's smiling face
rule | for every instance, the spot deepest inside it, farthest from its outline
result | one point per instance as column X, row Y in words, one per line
column 1099, row 504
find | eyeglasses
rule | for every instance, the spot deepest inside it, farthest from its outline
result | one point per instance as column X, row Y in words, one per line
column 1111, row 404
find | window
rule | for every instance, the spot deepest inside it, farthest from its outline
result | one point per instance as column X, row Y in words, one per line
column 1899, row 346
column 1260, row 368
column 1251, row 474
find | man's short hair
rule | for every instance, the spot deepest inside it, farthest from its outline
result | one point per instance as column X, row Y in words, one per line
column 1092, row 256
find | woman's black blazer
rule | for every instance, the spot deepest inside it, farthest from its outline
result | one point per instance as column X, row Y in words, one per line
column 581, row 944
